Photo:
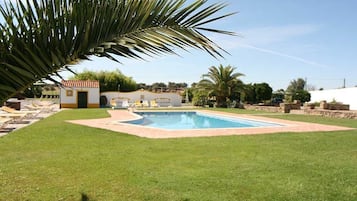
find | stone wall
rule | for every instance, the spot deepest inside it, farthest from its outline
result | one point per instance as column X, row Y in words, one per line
column 263, row 108
column 332, row 113
column 283, row 107
column 309, row 110
column 286, row 107
column 333, row 106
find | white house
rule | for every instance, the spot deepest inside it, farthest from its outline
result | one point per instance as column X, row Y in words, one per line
column 343, row 95
column 162, row 99
column 79, row 94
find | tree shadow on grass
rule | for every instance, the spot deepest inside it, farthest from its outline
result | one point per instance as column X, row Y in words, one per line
column 84, row 197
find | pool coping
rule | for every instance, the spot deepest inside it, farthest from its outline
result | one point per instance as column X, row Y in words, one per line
column 113, row 123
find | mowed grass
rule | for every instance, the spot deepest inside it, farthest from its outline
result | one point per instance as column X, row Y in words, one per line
column 55, row 160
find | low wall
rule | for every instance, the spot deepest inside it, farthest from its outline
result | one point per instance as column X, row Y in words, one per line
column 283, row 107
column 332, row 113
column 263, row 108
column 286, row 107
column 334, row 106
column 345, row 114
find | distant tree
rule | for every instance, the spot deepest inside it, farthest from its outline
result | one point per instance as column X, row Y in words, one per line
column 263, row 92
column 248, row 94
column 142, row 86
column 256, row 93
column 189, row 92
column 302, row 95
column 182, row 85
column 295, row 87
column 193, row 85
column 277, row 96
column 33, row 91
column 109, row 80
column 86, row 75
column 200, row 96
column 159, row 87
column 222, row 83
column 173, row 86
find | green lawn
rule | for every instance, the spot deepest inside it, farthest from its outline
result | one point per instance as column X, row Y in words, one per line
column 54, row 160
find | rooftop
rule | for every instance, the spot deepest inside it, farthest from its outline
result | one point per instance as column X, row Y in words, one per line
column 81, row 83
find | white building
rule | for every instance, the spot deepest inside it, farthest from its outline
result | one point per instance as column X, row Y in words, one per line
column 162, row 99
column 344, row 95
column 79, row 94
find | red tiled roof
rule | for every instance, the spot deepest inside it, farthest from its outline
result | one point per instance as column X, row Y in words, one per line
column 81, row 83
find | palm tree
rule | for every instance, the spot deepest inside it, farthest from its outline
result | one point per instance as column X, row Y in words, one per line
column 294, row 87
column 40, row 38
column 222, row 83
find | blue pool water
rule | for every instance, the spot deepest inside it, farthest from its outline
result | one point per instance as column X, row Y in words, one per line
column 192, row 120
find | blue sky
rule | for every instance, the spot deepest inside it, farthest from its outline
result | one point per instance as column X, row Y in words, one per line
column 279, row 40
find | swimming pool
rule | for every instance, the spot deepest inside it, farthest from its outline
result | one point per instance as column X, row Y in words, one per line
column 193, row 120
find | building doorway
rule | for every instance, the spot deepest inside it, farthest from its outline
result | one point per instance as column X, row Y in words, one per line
column 82, row 99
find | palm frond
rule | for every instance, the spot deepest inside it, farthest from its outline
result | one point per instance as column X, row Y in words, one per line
column 40, row 38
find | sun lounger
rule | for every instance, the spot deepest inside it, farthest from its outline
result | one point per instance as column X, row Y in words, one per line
column 15, row 118
column 153, row 103
column 12, row 116
column 30, row 114
column 31, row 107
column 119, row 103
column 145, row 103
column 138, row 103
column 43, row 103
column 3, row 123
column 113, row 103
column 34, row 107
column 125, row 104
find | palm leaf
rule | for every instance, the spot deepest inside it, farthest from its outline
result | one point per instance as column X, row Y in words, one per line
column 40, row 38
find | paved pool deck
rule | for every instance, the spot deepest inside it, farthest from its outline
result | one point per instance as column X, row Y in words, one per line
column 113, row 123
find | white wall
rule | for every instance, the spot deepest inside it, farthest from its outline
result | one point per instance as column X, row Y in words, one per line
column 93, row 95
column 175, row 99
column 67, row 99
column 344, row 95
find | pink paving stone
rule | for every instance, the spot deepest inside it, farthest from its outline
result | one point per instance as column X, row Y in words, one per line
column 113, row 123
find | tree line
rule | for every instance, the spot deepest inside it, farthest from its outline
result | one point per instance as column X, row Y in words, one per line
column 220, row 87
